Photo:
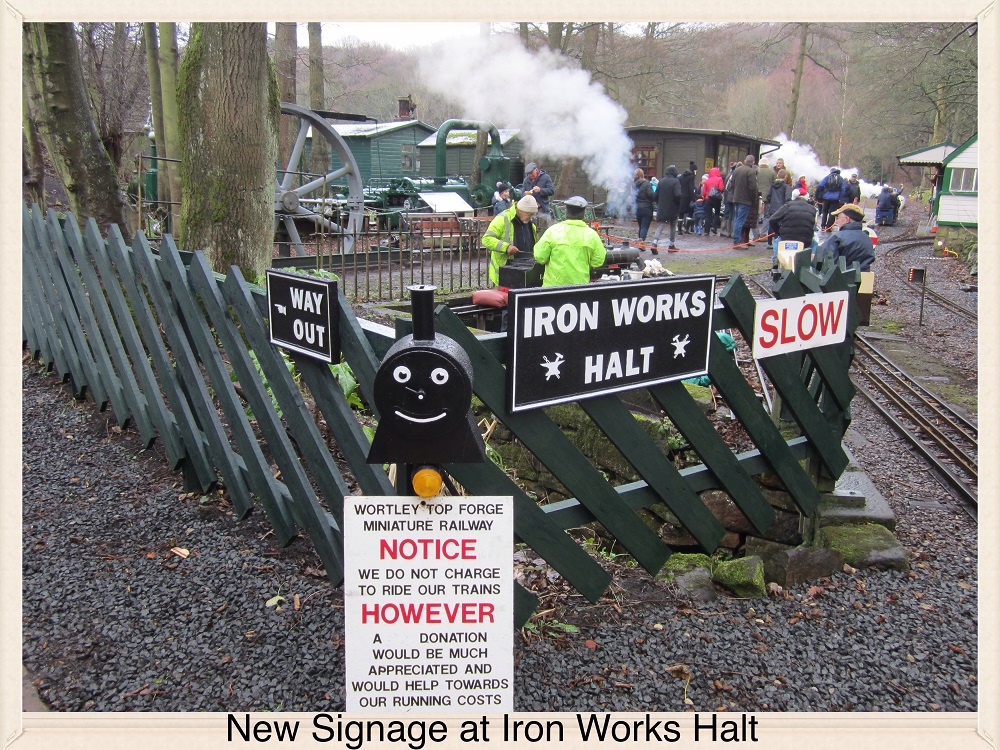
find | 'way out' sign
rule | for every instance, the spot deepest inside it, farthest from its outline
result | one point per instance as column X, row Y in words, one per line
column 568, row 343
column 303, row 314
column 790, row 325
column 429, row 604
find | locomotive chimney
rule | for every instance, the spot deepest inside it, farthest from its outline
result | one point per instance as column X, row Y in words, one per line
column 406, row 107
column 422, row 310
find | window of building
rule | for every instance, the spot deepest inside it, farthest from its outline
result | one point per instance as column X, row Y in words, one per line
column 964, row 180
column 407, row 157
column 645, row 159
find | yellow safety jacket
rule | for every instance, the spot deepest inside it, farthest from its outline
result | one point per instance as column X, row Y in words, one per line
column 498, row 237
column 568, row 250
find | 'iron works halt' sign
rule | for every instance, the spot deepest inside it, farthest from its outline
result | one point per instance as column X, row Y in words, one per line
column 303, row 314
column 568, row 343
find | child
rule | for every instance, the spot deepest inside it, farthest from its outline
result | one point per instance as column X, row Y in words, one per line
column 699, row 216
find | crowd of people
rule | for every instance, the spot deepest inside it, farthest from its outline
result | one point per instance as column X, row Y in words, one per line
column 749, row 202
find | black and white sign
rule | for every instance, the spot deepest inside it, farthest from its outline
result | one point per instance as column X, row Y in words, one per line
column 568, row 343
column 303, row 314
column 428, row 604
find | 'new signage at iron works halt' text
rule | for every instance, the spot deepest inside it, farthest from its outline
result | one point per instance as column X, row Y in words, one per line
column 568, row 343
column 303, row 314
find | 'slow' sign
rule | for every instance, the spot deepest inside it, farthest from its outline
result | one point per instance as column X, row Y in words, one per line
column 782, row 326
column 568, row 343
column 303, row 314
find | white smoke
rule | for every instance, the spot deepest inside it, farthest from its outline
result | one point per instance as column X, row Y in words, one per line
column 803, row 161
column 560, row 111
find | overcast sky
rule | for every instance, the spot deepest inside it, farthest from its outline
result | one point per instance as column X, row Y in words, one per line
column 398, row 35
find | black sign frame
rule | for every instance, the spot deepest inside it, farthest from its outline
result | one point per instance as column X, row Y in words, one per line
column 580, row 321
column 325, row 325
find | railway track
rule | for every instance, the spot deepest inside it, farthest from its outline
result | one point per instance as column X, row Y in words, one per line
column 936, row 297
column 947, row 440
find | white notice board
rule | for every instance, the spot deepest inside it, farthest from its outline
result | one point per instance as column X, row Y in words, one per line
column 429, row 604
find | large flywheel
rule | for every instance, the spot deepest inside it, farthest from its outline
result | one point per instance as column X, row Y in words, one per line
column 310, row 198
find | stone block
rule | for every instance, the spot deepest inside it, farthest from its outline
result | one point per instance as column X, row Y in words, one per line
column 868, row 545
column 804, row 564
column 697, row 584
column 855, row 500
column 744, row 576
column 681, row 562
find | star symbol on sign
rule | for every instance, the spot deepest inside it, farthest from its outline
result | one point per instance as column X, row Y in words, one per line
column 552, row 368
column 680, row 346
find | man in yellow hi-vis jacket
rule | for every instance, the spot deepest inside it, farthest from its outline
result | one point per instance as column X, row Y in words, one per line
column 570, row 248
column 511, row 232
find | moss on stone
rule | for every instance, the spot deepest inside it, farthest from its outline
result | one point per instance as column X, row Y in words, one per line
column 680, row 563
column 744, row 576
column 864, row 545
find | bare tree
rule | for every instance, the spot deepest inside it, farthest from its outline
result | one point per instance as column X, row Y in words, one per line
column 319, row 157
column 285, row 50
column 156, row 104
column 228, row 100
column 170, row 143
column 33, row 158
column 58, row 102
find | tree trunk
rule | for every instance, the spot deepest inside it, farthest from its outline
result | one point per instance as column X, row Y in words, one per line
column 319, row 157
column 793, row 101
column 522, row 33
column 229, row 111
column 54, row 77
column 156, row 99
column 555, row 29
column 170, row 143
column 591, row 37
column 33, row 158
column 285, row 48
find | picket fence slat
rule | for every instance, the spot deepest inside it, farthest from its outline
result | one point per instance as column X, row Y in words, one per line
column 344, row 425
column 611, row 416
column 277, row 509
column 137, row 407
column 310, row 442
column 97, row 253
column 71, row 312
column 826, row 360
column 688, row 418
column 200, row 474
column 62, row 348
column 321, row 526
column 32, row 295
column 787, row 381
column 175, row 317
column 66, row 250
column 727, row 377
column 541, row 436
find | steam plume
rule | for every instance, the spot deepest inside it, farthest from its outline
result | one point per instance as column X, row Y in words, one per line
column 802, row 160
column 560, row 111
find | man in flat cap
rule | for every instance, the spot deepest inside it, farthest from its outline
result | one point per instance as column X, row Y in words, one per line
column 538, row 184
column 850, row 241
column 570, row 248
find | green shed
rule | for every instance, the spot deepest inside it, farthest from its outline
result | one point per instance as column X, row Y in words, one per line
column 383, row 150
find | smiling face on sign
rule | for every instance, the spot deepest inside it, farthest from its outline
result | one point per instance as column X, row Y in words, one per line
column 421, row 391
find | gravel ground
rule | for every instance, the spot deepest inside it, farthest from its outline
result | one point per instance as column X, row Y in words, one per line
column 114, row 620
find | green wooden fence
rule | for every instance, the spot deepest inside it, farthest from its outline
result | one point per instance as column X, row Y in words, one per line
column 182, row 352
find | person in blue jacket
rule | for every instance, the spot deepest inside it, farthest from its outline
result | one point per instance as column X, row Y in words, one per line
column 831, row 194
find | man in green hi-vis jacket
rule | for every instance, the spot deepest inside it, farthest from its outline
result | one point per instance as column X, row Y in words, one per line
column 570, row 248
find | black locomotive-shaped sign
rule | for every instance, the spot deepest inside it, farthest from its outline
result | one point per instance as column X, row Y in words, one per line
column 423, row 391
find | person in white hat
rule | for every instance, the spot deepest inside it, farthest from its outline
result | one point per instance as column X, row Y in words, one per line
column 570, row 248
column 511, row 232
